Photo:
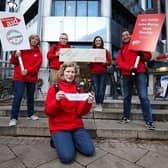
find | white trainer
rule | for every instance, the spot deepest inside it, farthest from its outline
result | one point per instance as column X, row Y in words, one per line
column 33, row 117
column 12, row 122
column 98, row 107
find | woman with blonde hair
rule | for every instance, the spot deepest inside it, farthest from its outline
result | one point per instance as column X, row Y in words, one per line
column 65, row 116
column 25, row 76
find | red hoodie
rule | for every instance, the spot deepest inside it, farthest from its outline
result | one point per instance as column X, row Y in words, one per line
column 126, row 60
column 32, row 60
column 53, row 59
column 65, row 114
column 101, row 67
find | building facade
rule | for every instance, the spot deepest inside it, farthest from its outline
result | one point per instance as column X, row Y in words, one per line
column 82, row 20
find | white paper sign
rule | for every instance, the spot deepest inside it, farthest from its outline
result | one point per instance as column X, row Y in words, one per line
column 164, row 84
column 77, row 96
column 13, row 33
column 82, row 55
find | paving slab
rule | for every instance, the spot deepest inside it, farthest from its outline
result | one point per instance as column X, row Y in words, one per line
column 6, row 153
column 35, row 152
column 15, row 163
column 34, row 155
column 128, row 151
column 88, row 160
column 111, row 161
column 153, row 160
column 57, row 164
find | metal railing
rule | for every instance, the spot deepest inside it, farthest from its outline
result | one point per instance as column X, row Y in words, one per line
column 6, row 83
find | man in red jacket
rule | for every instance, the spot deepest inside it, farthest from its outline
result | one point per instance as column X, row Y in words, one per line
column 53, row 56
column 125, row 60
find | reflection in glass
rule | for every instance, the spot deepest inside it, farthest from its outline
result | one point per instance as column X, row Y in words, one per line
column 70, row 8
column 81, row 8
column 93, row 8
column 59, row 8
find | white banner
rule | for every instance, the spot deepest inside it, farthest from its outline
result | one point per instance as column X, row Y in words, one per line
column 164, row 84
column 82, row 55
column 13, row 32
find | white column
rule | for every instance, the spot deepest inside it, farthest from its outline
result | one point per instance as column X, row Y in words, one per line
column 44, row 49
column 106, row 11
column 106, row 8
column 44, row 10
column 47, row 4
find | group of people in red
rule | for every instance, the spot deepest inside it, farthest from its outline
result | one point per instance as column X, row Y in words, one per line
column 65, row 116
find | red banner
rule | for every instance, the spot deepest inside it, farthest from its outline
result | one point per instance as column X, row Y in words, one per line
column 146, row 32
column 10, row 21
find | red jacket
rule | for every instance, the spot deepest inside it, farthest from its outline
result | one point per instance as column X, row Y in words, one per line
column 32, row 60
column 126, row 60
column 53, row 59
column 65, row 114
column 101, row 67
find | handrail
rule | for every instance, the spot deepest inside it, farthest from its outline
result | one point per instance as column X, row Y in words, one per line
column 2, row 61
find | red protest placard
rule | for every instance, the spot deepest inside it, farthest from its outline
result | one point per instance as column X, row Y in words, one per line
column 10, row 21
column 146, row 32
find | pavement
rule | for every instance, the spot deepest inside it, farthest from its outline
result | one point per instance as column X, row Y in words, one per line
column 35, row 152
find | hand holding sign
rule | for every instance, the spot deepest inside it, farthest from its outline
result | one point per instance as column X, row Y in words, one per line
column 134, row 69
column 18, row 55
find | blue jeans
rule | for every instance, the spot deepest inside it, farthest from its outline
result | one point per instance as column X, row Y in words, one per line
column 67, row 141
column 19, row 87
column 99, row 81
column 140, row 81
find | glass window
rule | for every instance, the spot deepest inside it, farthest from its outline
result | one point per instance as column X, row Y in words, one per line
column 81, row 8
column 75, row 7
column 59, row 8
column 70, row 8
column 93, row 7
column 149, row 4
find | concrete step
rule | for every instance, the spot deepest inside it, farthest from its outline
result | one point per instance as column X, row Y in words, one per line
column 96, row 127
column 155, row 104
column 107, row 113
column 136, row 114
column 134, row 130
column 108, row 103
column 32, row 128
column 39, row 111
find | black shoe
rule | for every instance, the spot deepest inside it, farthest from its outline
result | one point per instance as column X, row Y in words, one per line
column 52, row 143
column 124, row 120
column 150, row 126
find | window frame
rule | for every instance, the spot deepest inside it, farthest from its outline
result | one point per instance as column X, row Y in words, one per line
column 53, row 13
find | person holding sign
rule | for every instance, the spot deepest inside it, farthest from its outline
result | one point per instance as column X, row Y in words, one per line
column 99, row 73
column 53, row 56
column 134, row 71
column 65, row 114
column 27, row 64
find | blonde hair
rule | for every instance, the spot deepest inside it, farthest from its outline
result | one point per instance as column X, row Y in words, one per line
column 60, row 73
column 35, row 36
